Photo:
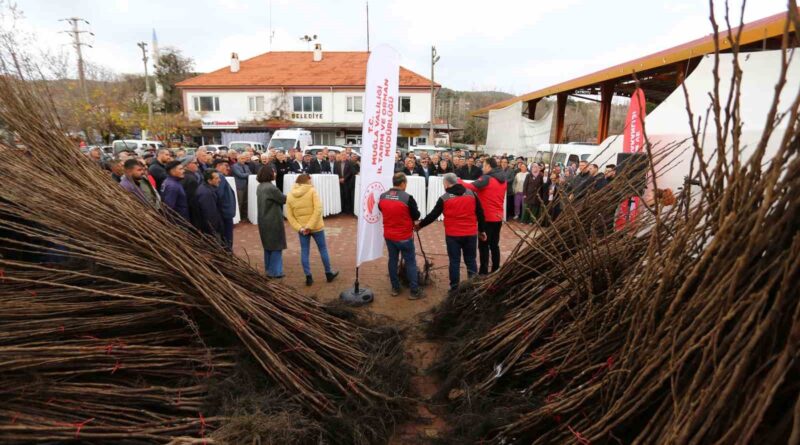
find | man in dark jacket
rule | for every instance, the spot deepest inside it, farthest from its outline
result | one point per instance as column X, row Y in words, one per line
column 172, row 192
column 319, row 165
column 158, row 169
column 469, row 172
column 491, row 189
column 296, row 164
column 241, row 171
column 399, row 212
column 347, row 179
column 509, row 174
column 192, row 178
column 281, row 168
column 206, row 201
column 463, row 226
column 226, row 202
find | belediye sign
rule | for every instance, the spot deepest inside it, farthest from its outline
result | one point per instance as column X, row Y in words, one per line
column 220, row 124
column 306, row 115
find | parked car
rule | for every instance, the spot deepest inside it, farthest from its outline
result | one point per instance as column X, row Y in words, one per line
column 214, row 148
column 240, row 146
column 139, row 147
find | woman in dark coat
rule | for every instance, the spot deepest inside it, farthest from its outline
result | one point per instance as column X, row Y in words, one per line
column 270, row 222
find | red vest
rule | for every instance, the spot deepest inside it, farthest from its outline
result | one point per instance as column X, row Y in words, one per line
column 492, row 197
column 459, row 214
column 397, row 222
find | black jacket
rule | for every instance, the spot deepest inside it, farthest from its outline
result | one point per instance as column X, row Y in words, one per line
column 469, row 174
column 159, row 172
column 209, row 219
column 280, row 169
column 317, row 167
column 457, row 190
column 296, row 166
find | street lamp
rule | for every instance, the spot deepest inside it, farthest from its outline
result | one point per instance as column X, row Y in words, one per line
column 434, row 58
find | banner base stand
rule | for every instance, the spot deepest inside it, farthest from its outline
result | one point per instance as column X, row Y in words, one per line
column 357, row 296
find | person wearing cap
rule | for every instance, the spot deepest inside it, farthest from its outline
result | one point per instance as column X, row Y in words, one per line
column 172, row 193
column 241, row 172
column 399, row 212
column 192, row 178
column 463, row 226
column 226, row 202
column 209, row 219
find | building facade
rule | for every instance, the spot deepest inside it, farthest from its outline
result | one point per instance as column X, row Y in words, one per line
column 320, row 92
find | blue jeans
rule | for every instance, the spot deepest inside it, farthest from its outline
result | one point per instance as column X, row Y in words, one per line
column 406, row 248
column 456, row 245
column 305, row 246
column 273, row 263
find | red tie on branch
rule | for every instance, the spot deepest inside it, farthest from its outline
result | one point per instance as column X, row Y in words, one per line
column 77, row 425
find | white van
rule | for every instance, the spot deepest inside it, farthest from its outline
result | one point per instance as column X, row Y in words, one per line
column 285, row 139
column 240, row 146
column 140, row 147
column 430, row 149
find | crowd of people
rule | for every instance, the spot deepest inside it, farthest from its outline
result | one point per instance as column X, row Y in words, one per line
column 480, row 192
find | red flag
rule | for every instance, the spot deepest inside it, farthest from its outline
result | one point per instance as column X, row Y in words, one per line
column 633, row 142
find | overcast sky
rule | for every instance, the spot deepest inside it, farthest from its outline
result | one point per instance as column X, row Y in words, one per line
column 508, row 45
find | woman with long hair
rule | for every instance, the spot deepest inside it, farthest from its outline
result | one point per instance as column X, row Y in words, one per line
column 304, row 212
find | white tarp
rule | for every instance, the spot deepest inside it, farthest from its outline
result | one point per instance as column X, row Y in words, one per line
column 511, row 132
column 668, row 123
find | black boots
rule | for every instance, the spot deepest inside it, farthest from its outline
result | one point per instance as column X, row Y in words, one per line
column 331, row 275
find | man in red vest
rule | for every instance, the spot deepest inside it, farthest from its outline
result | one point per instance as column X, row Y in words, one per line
column 399, row 213
column 463, row 225
column 491, row 191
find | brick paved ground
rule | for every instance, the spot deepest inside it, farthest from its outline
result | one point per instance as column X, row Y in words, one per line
column 340, row 233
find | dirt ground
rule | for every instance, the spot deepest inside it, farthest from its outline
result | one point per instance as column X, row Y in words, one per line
column 340, row 234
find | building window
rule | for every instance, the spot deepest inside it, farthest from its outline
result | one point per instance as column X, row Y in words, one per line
column 256, row 104
column 307, row 104
column 206, row 103
column 405, row 104
column 323, row 138
column 355, row 104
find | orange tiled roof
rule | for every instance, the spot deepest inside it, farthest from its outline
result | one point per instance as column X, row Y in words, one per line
column 298, row 69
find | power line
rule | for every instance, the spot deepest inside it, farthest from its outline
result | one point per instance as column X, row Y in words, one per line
column 76, row 32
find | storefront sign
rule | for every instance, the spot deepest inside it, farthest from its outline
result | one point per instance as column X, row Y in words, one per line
column 410, row 132
column 220, row 124
column 316, row 116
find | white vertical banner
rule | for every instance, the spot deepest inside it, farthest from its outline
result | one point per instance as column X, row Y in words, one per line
column 378, row 144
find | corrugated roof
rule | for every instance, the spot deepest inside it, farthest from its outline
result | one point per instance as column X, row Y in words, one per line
column 759, row 30
column 298, row 69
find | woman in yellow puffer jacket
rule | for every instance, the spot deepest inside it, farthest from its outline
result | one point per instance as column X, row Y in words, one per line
column 304, row 213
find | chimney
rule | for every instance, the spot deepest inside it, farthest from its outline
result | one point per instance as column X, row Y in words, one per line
column 234, row 63
column 317, row 52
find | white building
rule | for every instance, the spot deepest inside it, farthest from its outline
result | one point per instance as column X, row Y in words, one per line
column 321, row 92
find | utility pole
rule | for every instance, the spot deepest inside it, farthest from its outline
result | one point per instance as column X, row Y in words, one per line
column 143, row 46
column 434, row 58
column 367, row 26
column 75, row 32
